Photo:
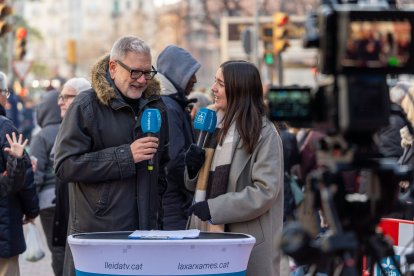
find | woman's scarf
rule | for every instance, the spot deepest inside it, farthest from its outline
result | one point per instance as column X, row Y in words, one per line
column 214, row 174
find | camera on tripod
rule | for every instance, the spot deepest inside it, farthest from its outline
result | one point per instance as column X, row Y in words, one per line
column 359, row 47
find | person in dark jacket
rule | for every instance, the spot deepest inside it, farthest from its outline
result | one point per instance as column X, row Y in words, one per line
column 48, row 118
column 291, row 158
column 388, row 138
column 177, row 73
column 102, row 152
column 407, row 139
column 20, row 205
column 70, row 89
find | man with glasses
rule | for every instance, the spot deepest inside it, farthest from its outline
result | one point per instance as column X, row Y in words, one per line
column 103, row 152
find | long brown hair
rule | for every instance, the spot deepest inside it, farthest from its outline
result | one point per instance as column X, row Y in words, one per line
column 245, row 105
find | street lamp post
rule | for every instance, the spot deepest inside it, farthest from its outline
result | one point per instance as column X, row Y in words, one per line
column 256, row 34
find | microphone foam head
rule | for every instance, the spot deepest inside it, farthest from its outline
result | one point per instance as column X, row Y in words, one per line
column 205, row 120
column 151, row 120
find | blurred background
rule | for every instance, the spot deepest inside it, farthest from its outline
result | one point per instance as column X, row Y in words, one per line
column 45, row 42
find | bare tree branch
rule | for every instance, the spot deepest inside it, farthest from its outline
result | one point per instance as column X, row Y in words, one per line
column 209, row 19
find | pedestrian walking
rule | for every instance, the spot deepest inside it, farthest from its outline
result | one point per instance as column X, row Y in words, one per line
column 48, row 119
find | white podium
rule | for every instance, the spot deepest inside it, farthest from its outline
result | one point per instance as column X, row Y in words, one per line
column 113, row 253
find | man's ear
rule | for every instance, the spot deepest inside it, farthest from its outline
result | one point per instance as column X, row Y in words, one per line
column 112, row 68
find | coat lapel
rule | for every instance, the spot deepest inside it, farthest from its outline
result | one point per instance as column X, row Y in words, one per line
column 240, row 159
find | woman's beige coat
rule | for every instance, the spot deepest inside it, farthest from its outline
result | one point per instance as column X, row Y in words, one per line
column 253, row 203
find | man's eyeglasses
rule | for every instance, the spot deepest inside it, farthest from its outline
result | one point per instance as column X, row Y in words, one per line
column 66, row 97
column 5, row 93
column 136, row 74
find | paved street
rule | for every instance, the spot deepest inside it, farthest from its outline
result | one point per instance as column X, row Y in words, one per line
column 39, row 268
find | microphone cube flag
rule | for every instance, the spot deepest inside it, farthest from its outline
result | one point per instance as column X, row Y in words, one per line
column 151, row 120
column 205, row 120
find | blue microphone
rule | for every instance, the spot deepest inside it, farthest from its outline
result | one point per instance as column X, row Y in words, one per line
column 205, row 121
column 151, row 124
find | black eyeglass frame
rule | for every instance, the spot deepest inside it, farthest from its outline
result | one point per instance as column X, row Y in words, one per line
column 66, row 97
column 139, row 73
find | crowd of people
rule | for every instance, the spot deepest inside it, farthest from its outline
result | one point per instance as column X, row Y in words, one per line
column 88, row 169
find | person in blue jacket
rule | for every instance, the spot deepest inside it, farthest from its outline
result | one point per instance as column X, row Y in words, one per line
column 19, row 205
column 177, row 74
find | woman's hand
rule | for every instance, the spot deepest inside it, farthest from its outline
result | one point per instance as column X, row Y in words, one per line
column 17, row 146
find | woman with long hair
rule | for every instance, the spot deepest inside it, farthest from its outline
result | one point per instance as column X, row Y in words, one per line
column 238, row 175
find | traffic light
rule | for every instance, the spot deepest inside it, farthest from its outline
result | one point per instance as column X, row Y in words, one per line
column 268, row 58
column 71, row 52
column 5, row 11
column 280, row 32
column 266, row 32
column 21, row 35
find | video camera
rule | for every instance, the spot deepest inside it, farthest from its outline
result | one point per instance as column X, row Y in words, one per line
column 359, row 47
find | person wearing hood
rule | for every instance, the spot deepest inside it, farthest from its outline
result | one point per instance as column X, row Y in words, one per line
column 49, row 119
column 102, row 152
column 177, row 73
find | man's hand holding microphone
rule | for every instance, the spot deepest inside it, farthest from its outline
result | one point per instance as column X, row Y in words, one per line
column 145, row 148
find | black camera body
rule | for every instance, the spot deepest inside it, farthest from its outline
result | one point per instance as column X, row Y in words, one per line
column 359, row 46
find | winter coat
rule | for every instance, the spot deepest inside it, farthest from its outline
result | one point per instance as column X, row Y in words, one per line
column 16, row 205
column 253, row 203
column 176, row 67
column 12, row 179
column 388, row 138
column 61, row 216
column 49, row 119
column 291, row 157
column 108, row 191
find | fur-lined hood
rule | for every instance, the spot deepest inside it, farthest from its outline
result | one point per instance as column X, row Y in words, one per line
column 105, row 91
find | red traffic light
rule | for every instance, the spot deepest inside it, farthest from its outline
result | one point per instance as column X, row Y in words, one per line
column 20, row 50
column 280, row 19
column 21, row 33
